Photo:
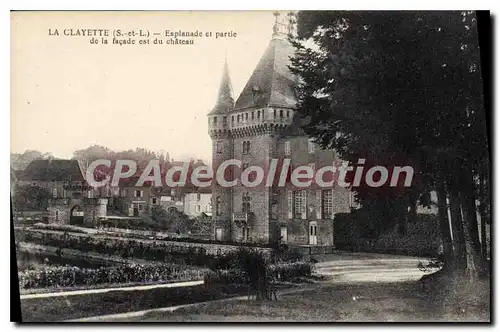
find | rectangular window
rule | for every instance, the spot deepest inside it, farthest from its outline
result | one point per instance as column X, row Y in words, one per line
column 246, row 233
column 281, row 113
column 238, row 118
column 300, row 204
column 258, row 114
column 327, row 204
column 245, row 149
column 253, row 115
column 64, row 193
column 246, row 116
column 54, row 192
column 141, row 207
column 288, row 149
column 154, row 200
column 246, row 203
column 57, row 215
column 138, row 193
column 198, row 196
column 90, row 194
column 93, row 215
column 274, row 114
column 218, row 206
column 224, row 120
column 310, row 146
column 287, row 114
column 290, row 204
column 198, row 208
column 218, row 147
column 215, row 120
column 232, row 119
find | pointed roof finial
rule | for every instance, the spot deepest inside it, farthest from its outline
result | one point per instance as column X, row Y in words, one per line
column 284, row 25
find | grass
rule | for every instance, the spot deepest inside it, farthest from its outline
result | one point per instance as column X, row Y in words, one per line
column 376, row 302
column 87, row 305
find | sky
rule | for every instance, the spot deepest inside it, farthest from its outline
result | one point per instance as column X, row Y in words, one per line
column 68, row 94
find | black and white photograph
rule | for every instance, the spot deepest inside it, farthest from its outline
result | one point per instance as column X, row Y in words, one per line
column 248, row 166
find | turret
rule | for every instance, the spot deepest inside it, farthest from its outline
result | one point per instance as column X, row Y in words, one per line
column 218, row 118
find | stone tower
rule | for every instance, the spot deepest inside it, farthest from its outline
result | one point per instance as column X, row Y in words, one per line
column 222, row 149
column 249, row 131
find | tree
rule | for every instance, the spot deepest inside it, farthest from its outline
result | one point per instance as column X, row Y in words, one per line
column 31, row 197
column 173, row 221
column 400, row 88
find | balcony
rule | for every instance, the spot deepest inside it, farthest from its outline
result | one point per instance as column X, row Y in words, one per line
column 241, row 219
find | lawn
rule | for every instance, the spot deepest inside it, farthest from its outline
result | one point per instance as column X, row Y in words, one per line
column 61, row 308
column 376, row 302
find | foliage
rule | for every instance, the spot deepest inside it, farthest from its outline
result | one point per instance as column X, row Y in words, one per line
column 57, row 227
column 400, row 88
column 354, row 231
column 31, row 197
column 173, row 221
column 186, row 253
column 20, row 161
column 66, row 276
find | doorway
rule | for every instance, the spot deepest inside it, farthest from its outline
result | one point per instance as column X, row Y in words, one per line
column 313, row 233
column 76, row 215
column 218, row 234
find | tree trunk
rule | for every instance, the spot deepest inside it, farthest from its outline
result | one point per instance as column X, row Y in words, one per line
column 484, row 221
column 473, row 253
column 457, row 230
column 449, row 256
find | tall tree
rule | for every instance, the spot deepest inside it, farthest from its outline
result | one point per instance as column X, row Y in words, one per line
column 399, row 88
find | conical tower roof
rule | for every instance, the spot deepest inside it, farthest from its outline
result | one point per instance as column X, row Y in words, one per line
column 225, row 101
column 272, row 83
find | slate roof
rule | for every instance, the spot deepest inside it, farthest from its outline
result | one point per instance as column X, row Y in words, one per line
column 225, row 101
column 52, row 170
column 272, row 83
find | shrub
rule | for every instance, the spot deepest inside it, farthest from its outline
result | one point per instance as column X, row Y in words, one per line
column 67, row 276
column 57, row 227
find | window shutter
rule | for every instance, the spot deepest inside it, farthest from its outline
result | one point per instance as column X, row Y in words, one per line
column 304, row 204
column 319, row 204
column 290, row 204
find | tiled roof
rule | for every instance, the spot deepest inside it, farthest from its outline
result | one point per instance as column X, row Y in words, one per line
column 272, row 83
column 52, row 170
column 225, row 101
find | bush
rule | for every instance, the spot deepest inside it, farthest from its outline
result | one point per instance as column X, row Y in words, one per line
column 57, row 227
column 67, row 276
column 247, row 266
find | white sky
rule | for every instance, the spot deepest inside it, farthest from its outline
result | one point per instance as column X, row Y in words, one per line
column 68, row 94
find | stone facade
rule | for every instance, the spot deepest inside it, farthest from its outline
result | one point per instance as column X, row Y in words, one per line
column 260, row 126
column 71, row 201
column 197, row 203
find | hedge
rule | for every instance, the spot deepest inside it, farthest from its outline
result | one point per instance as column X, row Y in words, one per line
column 57, row 227
column 421, row 238
column 128, row 248
column 67, row 276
